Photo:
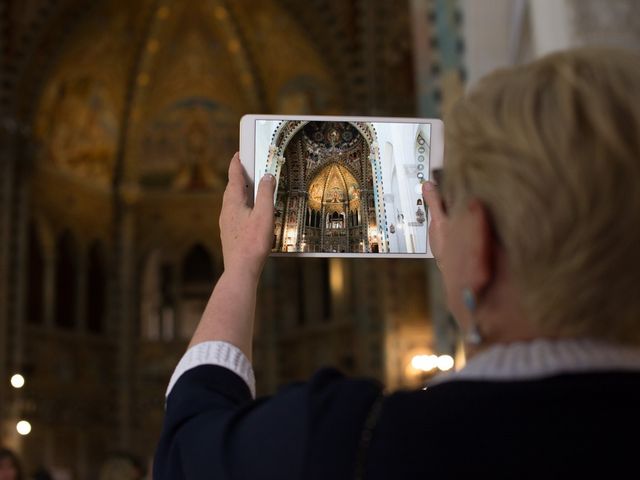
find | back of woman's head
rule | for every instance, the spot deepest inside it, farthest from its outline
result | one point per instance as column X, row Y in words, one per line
column 552, row 148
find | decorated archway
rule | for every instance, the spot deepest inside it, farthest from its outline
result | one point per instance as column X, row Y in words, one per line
column 326, row 168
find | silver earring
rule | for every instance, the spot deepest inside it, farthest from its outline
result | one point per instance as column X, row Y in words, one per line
column 473, row 336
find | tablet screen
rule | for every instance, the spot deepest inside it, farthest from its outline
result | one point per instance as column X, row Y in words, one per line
column 346, row 187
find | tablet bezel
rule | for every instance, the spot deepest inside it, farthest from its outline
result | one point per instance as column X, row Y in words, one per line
column 247, row 157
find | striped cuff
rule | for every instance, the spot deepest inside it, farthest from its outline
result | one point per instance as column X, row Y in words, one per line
column 216, row 353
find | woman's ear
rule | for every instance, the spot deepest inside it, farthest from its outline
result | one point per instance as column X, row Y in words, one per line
column 481, row 246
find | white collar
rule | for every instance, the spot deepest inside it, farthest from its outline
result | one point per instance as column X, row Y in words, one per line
column 543, row 358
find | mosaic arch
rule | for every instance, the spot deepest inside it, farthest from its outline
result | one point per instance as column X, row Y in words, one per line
column 329, row 188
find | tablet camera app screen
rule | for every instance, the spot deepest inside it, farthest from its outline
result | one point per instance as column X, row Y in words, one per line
column 346, row 187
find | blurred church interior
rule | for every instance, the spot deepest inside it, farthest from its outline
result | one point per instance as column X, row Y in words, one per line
column 117, row 122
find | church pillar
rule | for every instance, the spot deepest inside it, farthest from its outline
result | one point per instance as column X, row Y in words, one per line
column 271, row 164
column 49, row 286
column 290, row 221
column 21, row 235
column 323, row 226
column 369, row 29
column 20, row 253
column 81, row 289
column 7, row 128
column 378, row 201
column 283, row 223
column 364, row 223
column 268, row 336
column 369, row 313
column 276, row 169
column 302, row 210
column 49, row 450
column 346, row 223
column 433, row 96
column 178, row 316
column 6, row 190
column 123, row 307
column 13, row 267
column 82, row 464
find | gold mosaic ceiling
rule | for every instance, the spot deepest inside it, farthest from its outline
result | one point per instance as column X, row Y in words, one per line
column 335, row 188
column 202, row 65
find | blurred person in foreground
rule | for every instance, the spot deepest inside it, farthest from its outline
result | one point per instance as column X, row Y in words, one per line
column 10, row 468
column 42, row 474
column 536, row 230
column 121, row 466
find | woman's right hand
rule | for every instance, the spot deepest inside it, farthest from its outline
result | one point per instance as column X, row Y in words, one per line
column 246, row 233
column 438, row 218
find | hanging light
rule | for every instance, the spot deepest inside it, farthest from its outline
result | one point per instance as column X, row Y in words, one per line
column 17, row 381
column 445, row 362
column 424, row 363
column 23, row 427
column 427, row 363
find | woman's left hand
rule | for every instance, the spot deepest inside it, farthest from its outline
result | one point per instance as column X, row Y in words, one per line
column 246, row 233
column 438, row 218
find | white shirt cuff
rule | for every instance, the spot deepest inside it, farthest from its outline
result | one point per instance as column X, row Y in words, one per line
column 219, row 353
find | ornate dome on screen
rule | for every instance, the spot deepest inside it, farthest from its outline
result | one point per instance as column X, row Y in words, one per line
column 333, row 188
column 337, row 135
column 176, row 98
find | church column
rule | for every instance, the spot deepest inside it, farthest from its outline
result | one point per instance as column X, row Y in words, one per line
column 280, row 243
column 6, row 182
column 13, row 258
column 302, row 210
column 271, row 165
column 346, row 221
column 378, row 201
column 81, row 289
column 323, row 226
column 178, row 308
column 277, row 169
column 16, row 271
column 6, row 190
column 369, row 311
column 21, row 233
column 369, row 26
column 433, row 96
column 364, row 200
column 123, row 280
column 82, row 464
column 123, row 306
column 268, row 338
column 49, row 285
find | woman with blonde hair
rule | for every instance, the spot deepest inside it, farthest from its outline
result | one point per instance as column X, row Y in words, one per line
column 536, row 229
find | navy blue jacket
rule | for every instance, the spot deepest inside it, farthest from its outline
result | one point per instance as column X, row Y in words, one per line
column 566, row 426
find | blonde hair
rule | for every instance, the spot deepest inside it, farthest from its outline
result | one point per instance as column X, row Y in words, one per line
column 552, row 149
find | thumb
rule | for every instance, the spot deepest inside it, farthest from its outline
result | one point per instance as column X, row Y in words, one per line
column 263, row 207
column 433, row 200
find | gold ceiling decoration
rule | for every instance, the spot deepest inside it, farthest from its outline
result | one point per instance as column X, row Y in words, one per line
column 203, row 64
column 335, row 188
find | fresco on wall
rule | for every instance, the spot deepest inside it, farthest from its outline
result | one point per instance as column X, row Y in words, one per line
column 183, row 146
column 78, row 128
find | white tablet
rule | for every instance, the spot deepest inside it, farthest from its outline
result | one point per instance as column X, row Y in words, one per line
column 345, row 186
